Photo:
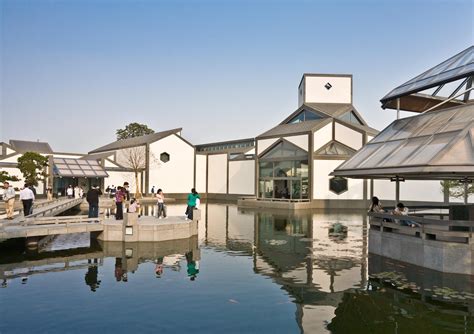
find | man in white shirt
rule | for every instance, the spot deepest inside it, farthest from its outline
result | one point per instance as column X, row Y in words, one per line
column 9, row 198
column 27, row 197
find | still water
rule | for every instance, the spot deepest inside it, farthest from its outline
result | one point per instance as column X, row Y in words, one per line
column 246, row 272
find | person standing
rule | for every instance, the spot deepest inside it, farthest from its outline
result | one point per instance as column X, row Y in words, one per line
column 27, row 197
column 126, row 191
column 9, row 198
column 77, row 192
column 153, row 190
column 191, row 203
column 70, row 192
column 92, row 198
column 161, row 204
column 49, row 194
column 119, row 198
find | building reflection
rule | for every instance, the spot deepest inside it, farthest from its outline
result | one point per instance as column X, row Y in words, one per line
column 298, row 252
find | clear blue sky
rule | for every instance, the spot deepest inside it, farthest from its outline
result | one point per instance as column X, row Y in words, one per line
column 75, row 71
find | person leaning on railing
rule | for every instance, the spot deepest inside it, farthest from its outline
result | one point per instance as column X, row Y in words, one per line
column 376, row 206
column 402, row 210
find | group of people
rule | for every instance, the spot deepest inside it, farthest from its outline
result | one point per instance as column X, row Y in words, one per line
column 400, row 210
column 27, row 197
column 76, row 192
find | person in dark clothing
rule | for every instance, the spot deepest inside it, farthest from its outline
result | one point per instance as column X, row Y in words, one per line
column 91, row 276
column 125, row 188
column 93, row 200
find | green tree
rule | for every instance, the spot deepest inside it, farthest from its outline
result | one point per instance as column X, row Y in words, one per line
column 133, row 130
column 4, row 176
column 457, row 189
column 33, row 167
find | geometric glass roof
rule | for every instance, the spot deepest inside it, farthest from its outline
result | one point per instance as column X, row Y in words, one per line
column 284, row 150
column 333, row 149
column 434, row 145
column 77, row 168
column 455, row 68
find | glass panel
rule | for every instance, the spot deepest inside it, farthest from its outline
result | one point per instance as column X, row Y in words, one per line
column 433, row 126
column 427, row 152
column 89, row 173
column 362, row 155
column 351, row 117
column 304, row 188
column 311, row 116
column 460, row 121
column 93, row 162
column 381, row 154
column 413, row 125
column 86, row 167
column 285, row 150
column 61, row 165
column 283, row 169
column 301, row 168
column 297, row 119
column 70, row 161
column 390, row 130
column 58, row 160
column 266, row 169
column 268, row 189
column 282, row 188
column 398, row 157
column 82, row 162
column 296, row 189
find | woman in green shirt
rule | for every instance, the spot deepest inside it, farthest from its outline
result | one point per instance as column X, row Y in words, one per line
column 192, row 197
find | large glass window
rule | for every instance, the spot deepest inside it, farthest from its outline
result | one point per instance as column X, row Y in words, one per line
column 283, row 173
column 303, row 116
column 351, row 117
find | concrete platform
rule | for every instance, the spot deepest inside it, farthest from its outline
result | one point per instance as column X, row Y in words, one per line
column 146, row 228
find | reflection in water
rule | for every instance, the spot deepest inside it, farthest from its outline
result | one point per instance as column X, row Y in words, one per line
column 318, row 259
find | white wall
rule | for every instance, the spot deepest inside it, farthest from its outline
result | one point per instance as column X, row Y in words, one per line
column 118, row 179
column 136, row 154
column 348, row 136
column 414, row 190
column 300, row 141
column 201, row 173
column 242, row 177
column 384, row 190
column 340, row 92
column 321, row 171
column 68, row 156
column 176, row 175
column 322, row 136
column 217, row 182
column 13, row 158
column 263, row 144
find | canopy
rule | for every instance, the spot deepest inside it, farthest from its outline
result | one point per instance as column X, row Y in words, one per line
column 458, row 67
column 77, row 168
column 434, row 145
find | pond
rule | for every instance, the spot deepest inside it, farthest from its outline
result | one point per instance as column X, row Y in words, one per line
column 245, row 272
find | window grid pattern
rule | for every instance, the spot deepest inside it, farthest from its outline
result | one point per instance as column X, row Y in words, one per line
column 77, row 168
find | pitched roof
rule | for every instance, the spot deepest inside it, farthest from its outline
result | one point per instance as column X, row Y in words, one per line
column 434, row 145
column 457, row 67
column 23, row 146
column 135, row 141
column 287, row 129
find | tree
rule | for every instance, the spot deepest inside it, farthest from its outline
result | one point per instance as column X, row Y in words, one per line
column 4, row 176
column 33, row 167
column 457, row 189
column 133, row 158
column 133, row 130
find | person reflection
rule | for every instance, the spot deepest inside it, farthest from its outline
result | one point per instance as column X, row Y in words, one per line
column 159, row 267
column 119, row 272
column 193, row 266
column 91, row 275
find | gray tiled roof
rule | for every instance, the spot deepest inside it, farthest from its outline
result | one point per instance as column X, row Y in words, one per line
column 286, row 129
column 136, row 141
column 23, row 146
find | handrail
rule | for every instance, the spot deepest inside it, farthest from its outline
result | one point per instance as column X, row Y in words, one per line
column 422, row 220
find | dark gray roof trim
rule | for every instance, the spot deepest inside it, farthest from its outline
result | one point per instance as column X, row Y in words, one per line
column 297, row 128
column 136, row 141
column 23, row 146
